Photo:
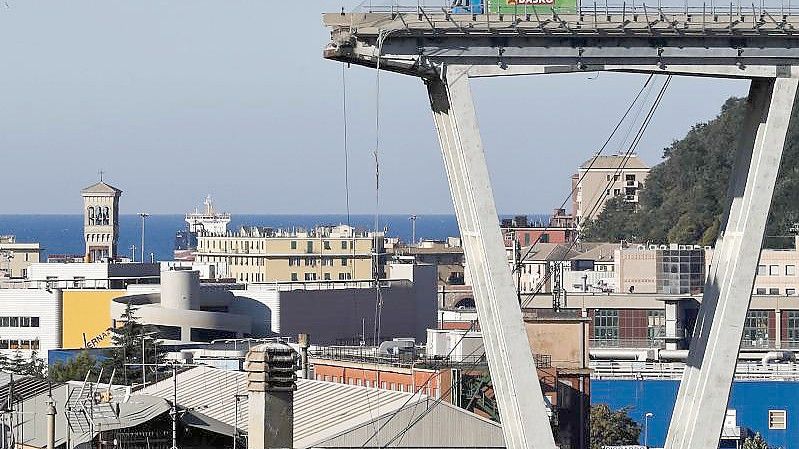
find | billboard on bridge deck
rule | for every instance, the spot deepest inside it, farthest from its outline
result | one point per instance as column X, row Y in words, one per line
column 513, row 6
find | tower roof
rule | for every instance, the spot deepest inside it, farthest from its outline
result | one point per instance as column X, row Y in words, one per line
column 101, row 189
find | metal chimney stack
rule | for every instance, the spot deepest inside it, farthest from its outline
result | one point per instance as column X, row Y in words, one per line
column 271, row 381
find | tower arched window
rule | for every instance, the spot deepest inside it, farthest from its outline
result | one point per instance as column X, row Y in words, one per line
column 105, row 215
column 90, row 214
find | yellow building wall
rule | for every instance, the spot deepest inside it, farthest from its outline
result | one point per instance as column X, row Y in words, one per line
column 87, row 312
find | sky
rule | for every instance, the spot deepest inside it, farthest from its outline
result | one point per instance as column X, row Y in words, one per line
column 174, row 100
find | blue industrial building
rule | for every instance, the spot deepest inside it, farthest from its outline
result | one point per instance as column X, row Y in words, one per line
column 752, row 400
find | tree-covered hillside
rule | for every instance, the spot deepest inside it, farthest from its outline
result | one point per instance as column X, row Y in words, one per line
column 685, row 195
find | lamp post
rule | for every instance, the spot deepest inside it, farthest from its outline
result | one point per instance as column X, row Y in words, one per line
column 412, row 218
column 143, row 216
column 647, row 415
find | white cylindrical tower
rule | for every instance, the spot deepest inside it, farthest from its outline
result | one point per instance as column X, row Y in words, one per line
column 180, row 289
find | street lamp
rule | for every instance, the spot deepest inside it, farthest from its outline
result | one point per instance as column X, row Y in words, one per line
column 143, row 216
column 647, row 415
column 412, row 218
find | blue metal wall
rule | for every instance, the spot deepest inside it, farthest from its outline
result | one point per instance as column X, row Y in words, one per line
column 752, row 401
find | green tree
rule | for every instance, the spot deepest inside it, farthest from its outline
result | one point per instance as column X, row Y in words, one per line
column 74, row 369
column 35, row 366
column 126, row 356
column 16, row 364
column 755, row 442
column 612, row 428
column 685, row 195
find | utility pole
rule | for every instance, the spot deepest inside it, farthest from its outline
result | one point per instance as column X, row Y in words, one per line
column 174, row 410
column 143, row 216
column 133, row 253
column 412, row 218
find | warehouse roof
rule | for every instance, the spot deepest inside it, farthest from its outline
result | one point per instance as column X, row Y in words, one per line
column 548, row 251
column 322, row 410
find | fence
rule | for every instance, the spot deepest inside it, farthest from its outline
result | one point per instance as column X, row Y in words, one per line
column 654, row 8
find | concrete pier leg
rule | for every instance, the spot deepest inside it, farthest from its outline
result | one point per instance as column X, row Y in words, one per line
column 521, row 405
column 705, row 388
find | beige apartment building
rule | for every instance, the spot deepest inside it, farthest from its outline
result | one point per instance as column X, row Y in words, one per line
column 325, row 253
column 598, row 180
column 16, row 257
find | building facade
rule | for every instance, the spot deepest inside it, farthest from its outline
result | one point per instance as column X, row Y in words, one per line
column 101, row 221
column 325, row 253
column 602, row 178
column 16, row 257
column 30, row 322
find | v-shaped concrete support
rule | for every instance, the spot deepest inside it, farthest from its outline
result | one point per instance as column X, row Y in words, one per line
column 513, row 373
column 705, row 388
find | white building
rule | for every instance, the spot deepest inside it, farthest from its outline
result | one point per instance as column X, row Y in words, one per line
column 91, row 275
column 101, row 221
column 15, row 257
column 30, row 321
column 333, row 312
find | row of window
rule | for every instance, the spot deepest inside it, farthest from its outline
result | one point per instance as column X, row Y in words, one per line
column 326, row 276
column 393, row 386
column 774, row 270
column 325, row 245
column 99, row 215
column 311, row 261
column 260, row 244
column 19, row 321
column 775, row 291
column 20, row 344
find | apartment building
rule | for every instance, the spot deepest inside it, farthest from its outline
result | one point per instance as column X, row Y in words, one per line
column 16, row 257
column 447, row 255
column 324, row 253
column 602, row 178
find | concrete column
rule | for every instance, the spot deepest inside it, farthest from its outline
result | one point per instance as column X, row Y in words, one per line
column 778, row 328
column 524, row 420
column 704, row 391
column 271, row 381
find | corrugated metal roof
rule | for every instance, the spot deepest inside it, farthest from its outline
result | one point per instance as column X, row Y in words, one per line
column 322, row 410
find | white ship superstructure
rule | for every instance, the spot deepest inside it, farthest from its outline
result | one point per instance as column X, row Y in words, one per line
column 208, row 220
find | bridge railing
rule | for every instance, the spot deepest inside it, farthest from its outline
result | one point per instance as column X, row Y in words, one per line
column 776, row 9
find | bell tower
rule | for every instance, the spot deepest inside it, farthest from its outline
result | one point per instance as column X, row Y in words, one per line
column 101, row 221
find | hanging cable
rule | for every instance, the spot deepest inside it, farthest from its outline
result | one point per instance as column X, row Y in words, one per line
column 590, row 164
column 345, row 141
column 622, row 165
column 424, row 384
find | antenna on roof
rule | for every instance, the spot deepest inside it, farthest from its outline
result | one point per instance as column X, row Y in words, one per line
column 101, row 173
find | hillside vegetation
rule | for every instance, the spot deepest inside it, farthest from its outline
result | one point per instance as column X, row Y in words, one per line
column 685, row 195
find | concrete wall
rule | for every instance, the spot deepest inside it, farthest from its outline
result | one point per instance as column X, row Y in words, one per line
column 335, row 314
column 39, row 303
column 88, row 313
column 566, row 341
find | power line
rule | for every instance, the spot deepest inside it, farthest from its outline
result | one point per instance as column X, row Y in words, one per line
column 417, row 390
column 590, row 165
column 619, row 169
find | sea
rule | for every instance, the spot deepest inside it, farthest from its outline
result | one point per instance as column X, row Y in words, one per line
column 63, row 234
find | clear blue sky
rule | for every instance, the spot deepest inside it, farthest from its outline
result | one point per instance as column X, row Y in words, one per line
column 177, row 99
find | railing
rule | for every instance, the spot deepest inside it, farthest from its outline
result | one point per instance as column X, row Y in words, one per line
column 674, row 370
column 410, row 360
column 632, row 343
column 655, row 8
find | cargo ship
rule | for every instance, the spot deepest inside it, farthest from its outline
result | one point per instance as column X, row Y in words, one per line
column 208, row 221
